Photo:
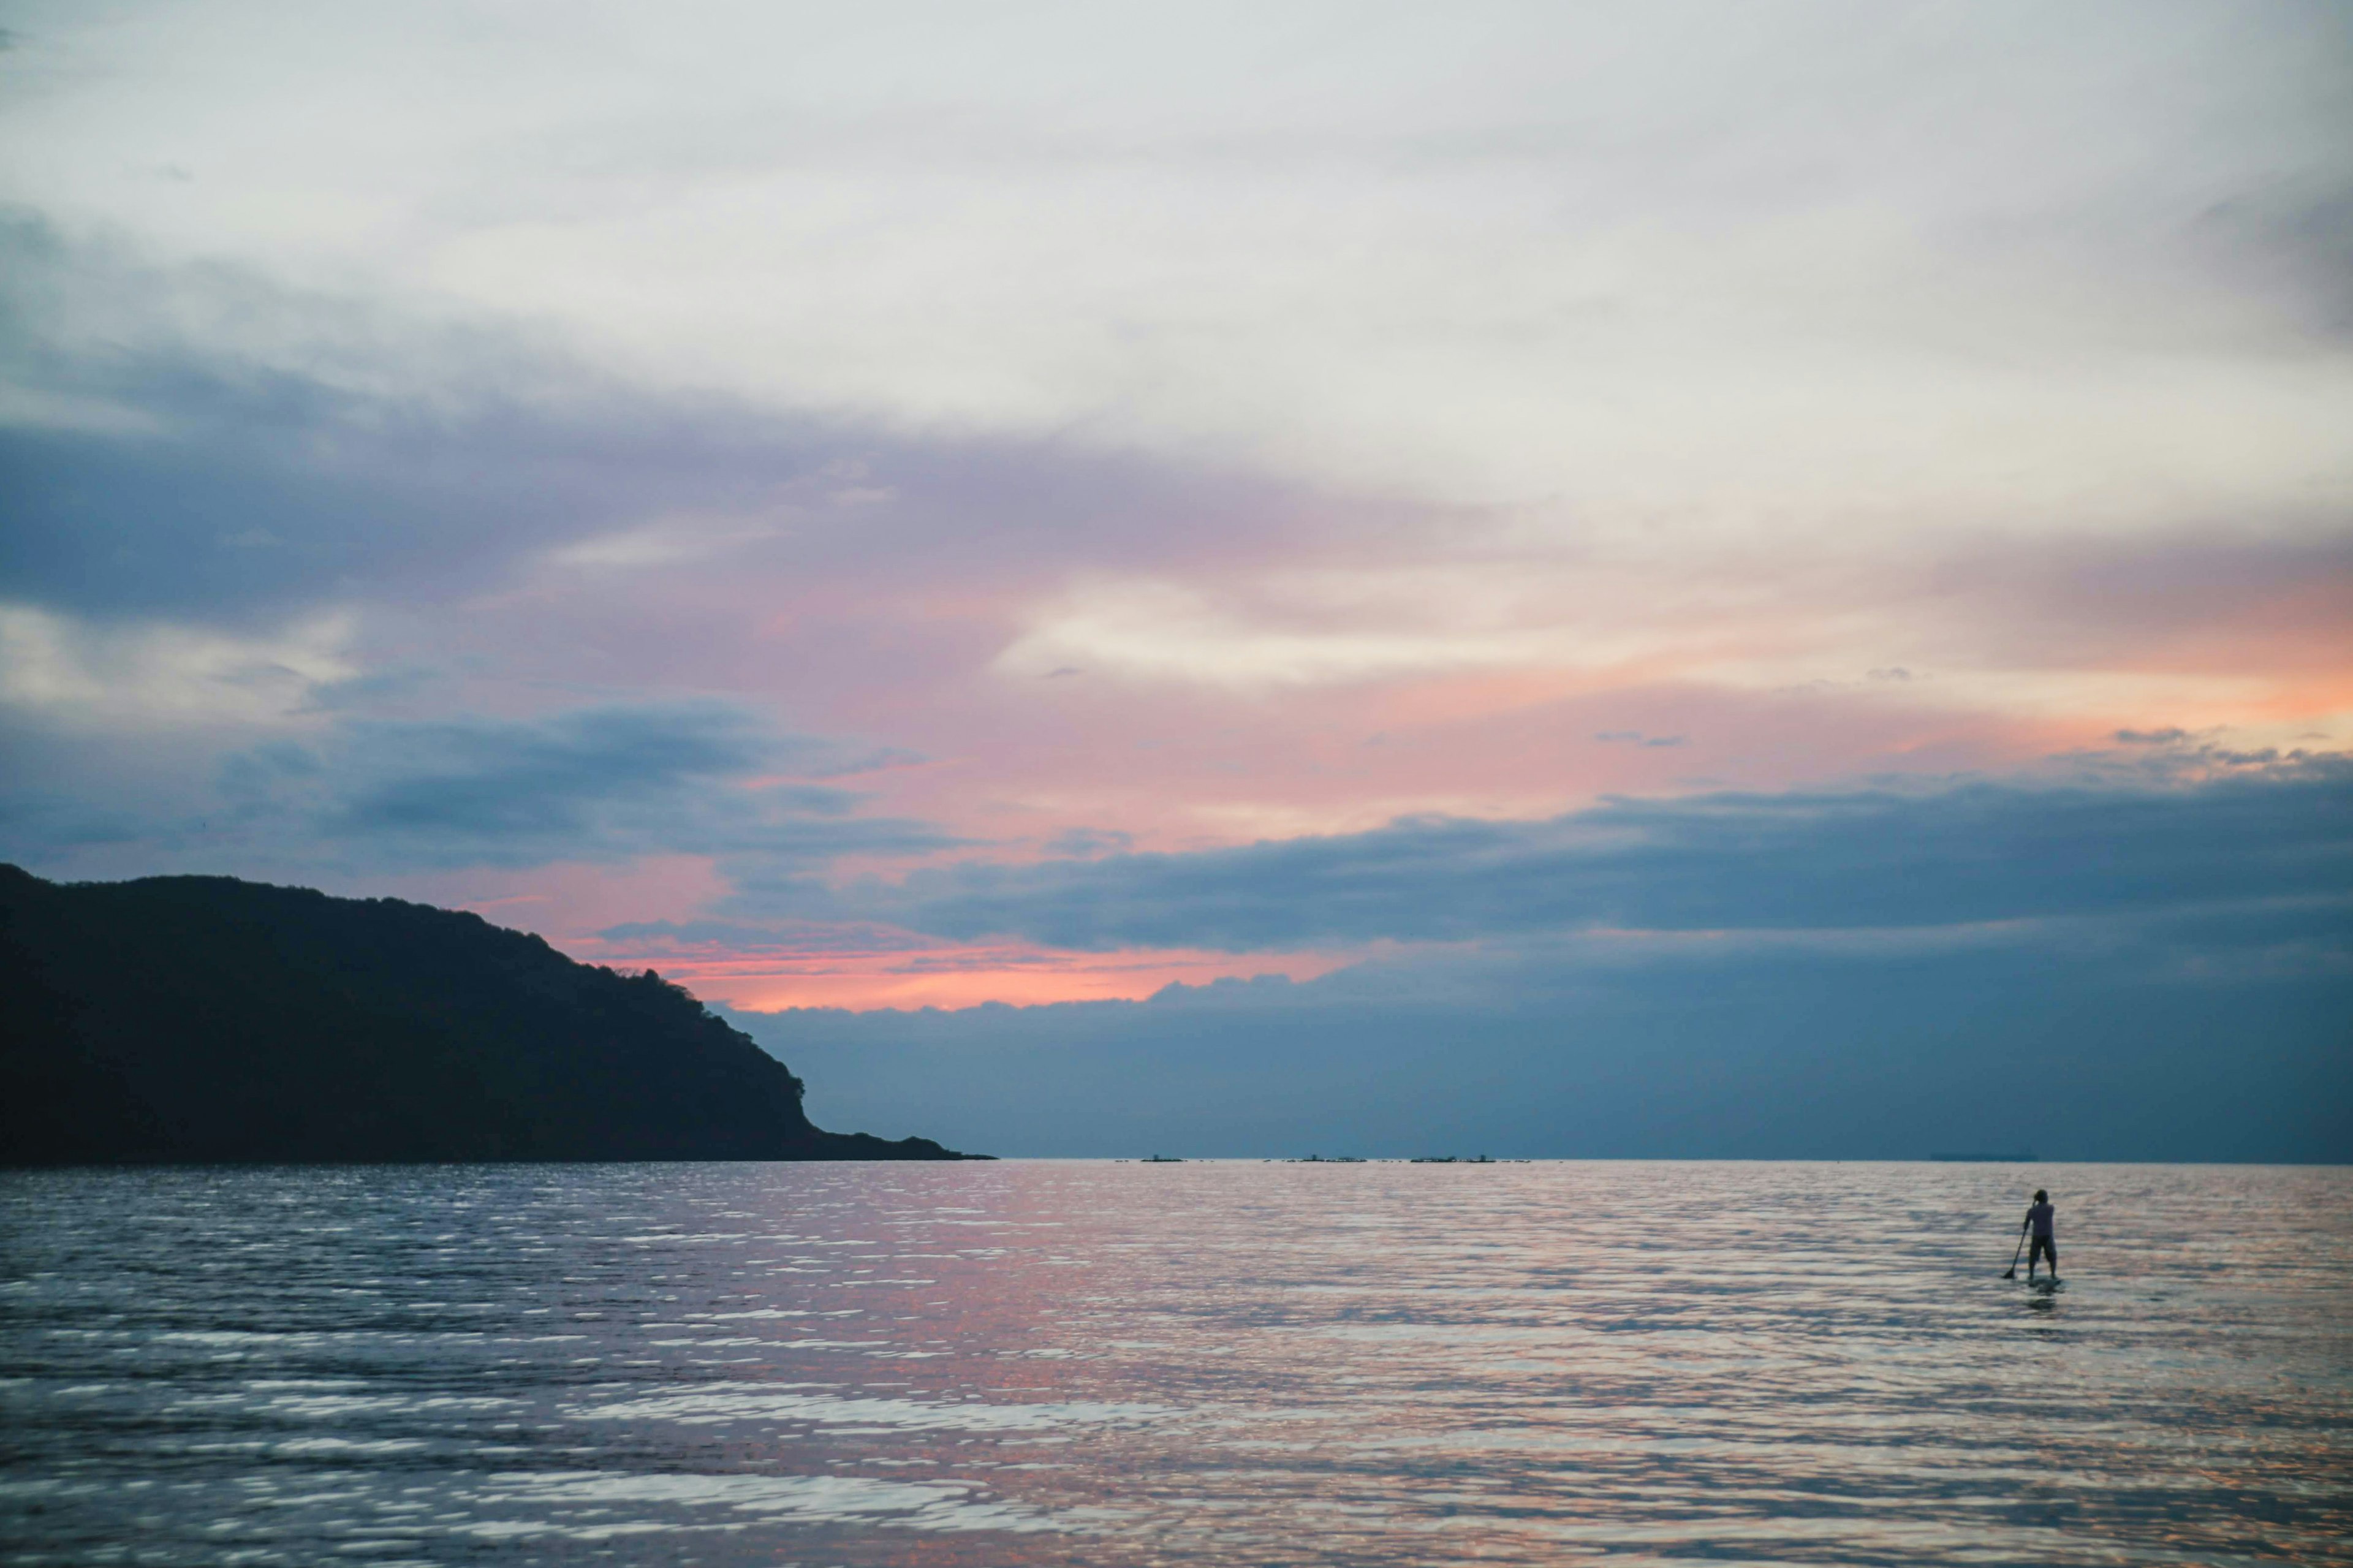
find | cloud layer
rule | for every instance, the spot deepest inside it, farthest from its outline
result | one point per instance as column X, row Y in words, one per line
column 594, row 783
column 1884, row 859
column 1495, row 516
column 2217, row 1036
column 1743, row 272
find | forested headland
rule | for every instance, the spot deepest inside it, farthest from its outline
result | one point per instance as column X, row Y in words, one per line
column 206, row 1018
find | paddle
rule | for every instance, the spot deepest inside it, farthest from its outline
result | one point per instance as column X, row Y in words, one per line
column 2015, row 1251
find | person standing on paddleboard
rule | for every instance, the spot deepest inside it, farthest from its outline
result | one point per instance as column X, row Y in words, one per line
column 2039, row 1220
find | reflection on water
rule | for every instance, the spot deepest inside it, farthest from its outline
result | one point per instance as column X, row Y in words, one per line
column 1043, row 1362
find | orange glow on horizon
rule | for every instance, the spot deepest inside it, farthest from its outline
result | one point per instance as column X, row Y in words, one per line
column 954, row 977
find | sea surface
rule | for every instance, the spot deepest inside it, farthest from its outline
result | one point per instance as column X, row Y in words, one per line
column 1111, row 1364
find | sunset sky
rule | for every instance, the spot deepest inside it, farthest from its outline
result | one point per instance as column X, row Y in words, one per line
column 883, row 507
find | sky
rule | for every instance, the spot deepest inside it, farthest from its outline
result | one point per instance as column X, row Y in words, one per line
column 1621, row 579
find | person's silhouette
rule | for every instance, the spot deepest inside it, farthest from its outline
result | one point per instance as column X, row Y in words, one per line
column 2039, row 1220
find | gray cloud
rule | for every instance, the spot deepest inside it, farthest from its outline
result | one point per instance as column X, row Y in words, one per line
column 2215, row 1034
column 601, row 784
column 2294, row 241
column 697, row 937
column 1972, row 853
column 367, row 454
column 395, row 462
column 1084, row 843
column 585, row 785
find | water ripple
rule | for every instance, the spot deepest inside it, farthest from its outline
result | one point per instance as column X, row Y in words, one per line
column 1210, row 1363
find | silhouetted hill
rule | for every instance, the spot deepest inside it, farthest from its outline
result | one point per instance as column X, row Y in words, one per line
column 207, row 1018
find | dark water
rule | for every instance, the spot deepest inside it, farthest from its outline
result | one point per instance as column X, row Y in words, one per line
column 1095, row 1363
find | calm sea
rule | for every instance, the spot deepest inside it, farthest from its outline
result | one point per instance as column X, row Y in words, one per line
column 1110, row 1364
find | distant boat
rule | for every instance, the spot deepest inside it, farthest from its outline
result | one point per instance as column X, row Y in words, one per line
column 2025, row 1157
column 1164, row 1160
